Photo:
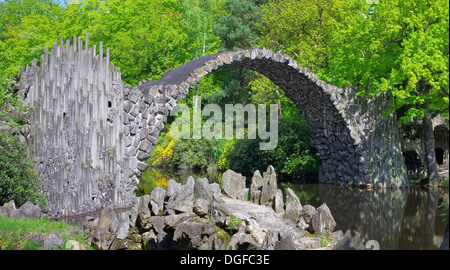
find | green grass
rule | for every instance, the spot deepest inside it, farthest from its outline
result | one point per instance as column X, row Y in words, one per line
column 14, row 233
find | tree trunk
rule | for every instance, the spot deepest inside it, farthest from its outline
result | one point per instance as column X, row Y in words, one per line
column 432, row 168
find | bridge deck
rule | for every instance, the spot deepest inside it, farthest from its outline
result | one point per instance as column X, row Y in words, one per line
column 178, row 74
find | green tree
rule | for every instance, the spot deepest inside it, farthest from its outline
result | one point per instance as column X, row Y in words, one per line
column 18, row 181
column 146, row 38
column 294, row 157
column 26, row 27
column 199, row 17
column 399, row 47
column 77, row 17
column 303, row 29
column 238, row 28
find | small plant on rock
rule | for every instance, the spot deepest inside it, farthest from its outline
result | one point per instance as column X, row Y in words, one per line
column 234, row 224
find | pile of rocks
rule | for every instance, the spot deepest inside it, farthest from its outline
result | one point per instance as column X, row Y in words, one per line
column 196, row 215
column 27, row 209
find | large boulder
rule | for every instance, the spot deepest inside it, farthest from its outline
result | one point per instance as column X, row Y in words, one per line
column 182, row 200
column 306, row 217
column 10, row 205
column 158, row 228
column 269, row 189
column 218, row 213
column 172, row 187
column 157, row 200
column 124, row 225
column 215, row 191
column 256, row 187
column 133, row 211
column 36, row 238
column 257, row 221
column 201, row 189
column 323, row 222
column 4, row 211
column 206, row 191
column 243, row 241
column 108, row 224
column 201, row 207
column 233, row 184
column 108, row 229
column 279, row 205
column 293, row 206
column 16, row 213
column 53, row 241
column 30, row 210
column 289, row 237
column 144, row 215
column 194, row 234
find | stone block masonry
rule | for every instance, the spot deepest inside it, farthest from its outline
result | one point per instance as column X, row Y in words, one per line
column 90, row 135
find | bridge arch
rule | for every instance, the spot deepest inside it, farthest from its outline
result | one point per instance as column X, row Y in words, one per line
column 340, row 123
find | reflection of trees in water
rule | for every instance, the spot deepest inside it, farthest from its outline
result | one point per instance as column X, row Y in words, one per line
column 421, row 221
column 397, row 218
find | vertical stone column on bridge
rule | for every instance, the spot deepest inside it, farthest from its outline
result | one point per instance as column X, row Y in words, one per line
column 76, row 138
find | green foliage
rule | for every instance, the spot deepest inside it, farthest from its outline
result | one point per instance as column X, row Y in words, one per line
column 237, row 28
column 294, row 155
column 18, row 181
column 25, row 28
column 234, row 224
column 396, row 46
column 303, row 29
column 12, row 106
column 199, row 17
column 197, row 154
column 146, row 38
column 151, row 30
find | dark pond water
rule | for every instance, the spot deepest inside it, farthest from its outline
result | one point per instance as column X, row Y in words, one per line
column 405, row 219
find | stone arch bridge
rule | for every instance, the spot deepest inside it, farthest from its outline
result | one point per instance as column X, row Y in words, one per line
column 90, row 135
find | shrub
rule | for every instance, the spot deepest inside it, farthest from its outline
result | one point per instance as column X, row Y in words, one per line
column 18, row 180
column 295, row 154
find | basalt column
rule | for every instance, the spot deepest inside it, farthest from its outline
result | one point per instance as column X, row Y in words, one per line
column 76, row 137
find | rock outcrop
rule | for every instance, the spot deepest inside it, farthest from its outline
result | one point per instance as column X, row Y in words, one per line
column 197, row 215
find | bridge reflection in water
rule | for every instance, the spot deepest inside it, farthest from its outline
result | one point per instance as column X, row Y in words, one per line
column 405, row 219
